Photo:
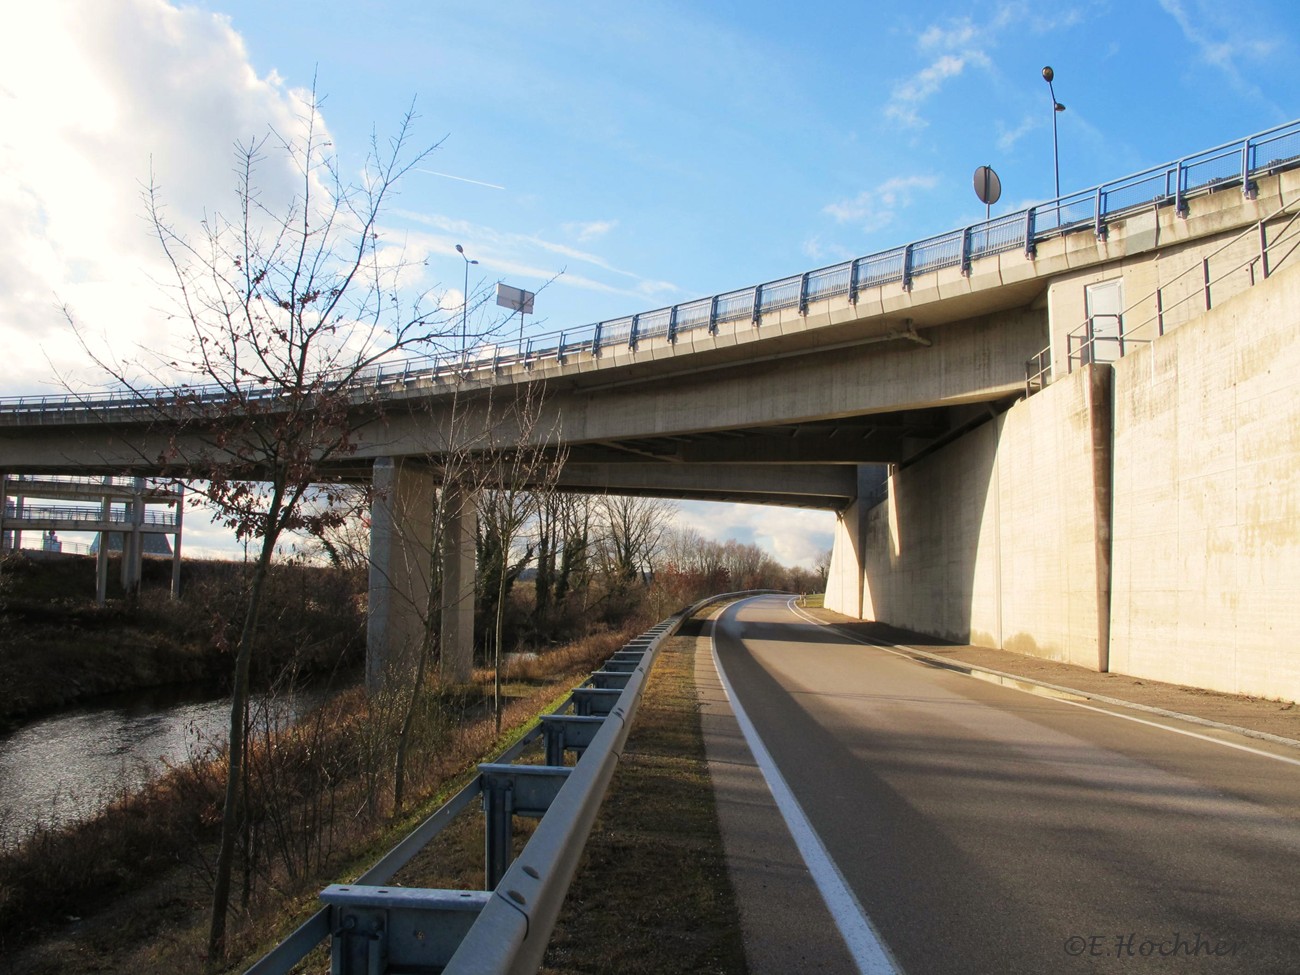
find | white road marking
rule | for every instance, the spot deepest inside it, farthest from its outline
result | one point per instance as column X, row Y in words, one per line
column 1046, row 692
column 863, row 941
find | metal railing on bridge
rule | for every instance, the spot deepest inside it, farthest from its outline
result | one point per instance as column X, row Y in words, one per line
column 1266, row 244
column 1237, row 163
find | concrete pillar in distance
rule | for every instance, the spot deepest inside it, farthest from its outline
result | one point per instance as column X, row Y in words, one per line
column 458, row 583
column 401, row 543
column 846, row 581
column 101, row 557
column 176, row 544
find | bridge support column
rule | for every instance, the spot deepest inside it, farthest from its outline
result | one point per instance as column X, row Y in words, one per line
column 101, row 557
column 4, row 502
column 846, row 580
column 176, row 546
column 461, row 521
column 401, row 556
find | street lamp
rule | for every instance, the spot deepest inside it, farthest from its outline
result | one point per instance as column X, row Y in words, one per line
column 464, row 303
column 1048, row 75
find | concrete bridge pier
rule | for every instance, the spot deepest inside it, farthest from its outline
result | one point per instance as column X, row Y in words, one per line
column 402, row 580
column 847, row 577
column 460, row 515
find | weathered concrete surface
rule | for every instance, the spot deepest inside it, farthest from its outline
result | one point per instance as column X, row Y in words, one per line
column 1167, row 547
column 993, row 539
column 1207, row 499
column 401, row 547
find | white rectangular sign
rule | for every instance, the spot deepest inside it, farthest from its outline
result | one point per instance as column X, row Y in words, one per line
column 516, row 299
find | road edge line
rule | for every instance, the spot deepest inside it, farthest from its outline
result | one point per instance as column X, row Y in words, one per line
column 863, row 941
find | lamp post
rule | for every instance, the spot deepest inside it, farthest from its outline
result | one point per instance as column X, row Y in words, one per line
column 464, row 303
column 1048, row 75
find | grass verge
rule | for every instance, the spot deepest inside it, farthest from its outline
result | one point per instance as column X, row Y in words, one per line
column 652, row 895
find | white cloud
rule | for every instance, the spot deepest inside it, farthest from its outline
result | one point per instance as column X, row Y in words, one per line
column 591, row 230
column 524, row 255
column 1217, row 35
column 93, row 97
column 909, row 95
column 1008, row 138
column 876, row 208
column 793, row 536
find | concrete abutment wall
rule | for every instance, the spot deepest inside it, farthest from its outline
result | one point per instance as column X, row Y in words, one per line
column 1142, row 517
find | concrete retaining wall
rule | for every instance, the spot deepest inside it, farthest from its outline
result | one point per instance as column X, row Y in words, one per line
column 1207, row 499
column 1191, row 462
column 992, row 539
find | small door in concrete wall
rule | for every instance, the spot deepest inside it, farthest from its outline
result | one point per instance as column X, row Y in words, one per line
column 1105, row 305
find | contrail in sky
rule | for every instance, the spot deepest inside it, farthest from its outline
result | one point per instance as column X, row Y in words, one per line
column 463, row 179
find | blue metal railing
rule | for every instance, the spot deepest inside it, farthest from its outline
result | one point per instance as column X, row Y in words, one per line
column 1235, row 163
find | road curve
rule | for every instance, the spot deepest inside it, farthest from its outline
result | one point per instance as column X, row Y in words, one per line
column 982, row 829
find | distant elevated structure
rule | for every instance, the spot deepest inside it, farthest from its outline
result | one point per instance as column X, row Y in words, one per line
column 132, row 516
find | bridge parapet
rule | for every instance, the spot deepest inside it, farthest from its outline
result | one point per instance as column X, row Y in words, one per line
column 1241, row 163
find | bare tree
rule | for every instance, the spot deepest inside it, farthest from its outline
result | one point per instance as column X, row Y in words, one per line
column 822, row 567
column 288, row 308
column 633, row 530
column 563, row 538
column 518, row 478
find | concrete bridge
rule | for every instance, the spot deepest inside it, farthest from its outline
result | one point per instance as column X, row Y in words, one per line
column 1137, row 513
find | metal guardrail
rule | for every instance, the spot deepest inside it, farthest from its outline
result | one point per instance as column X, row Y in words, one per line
column 118, row 515
column 1084, row 342
column 1235, row 163
column 375, row 928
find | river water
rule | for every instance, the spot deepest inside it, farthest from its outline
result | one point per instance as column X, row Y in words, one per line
column 66, row 767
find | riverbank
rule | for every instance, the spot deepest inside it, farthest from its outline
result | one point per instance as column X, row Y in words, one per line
column 57, row 648
column 129, row 889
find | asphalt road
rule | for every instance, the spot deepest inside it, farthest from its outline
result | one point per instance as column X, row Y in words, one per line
column 982, row 829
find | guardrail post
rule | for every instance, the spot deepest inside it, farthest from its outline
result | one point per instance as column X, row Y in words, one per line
column 568, row 732
column 510, row 790
column 595, row 341
column 803, row 294
column 965, row 252
column 713, row 315
column 1099, row 223
column 498, row 829
column 672, row 325
column 632, row 334
column 559, row 352
column 853, row 281
column 756, row 309
column 1031, row 248
column 907, row 268
column 1180, row 204
column 376, row 929
column 1247, row 187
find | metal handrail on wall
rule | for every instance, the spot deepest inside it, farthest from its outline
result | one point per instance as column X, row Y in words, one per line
column 1235, row 163
column 1083, row 340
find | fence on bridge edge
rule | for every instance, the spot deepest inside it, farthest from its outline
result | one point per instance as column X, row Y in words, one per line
column 1210, row 170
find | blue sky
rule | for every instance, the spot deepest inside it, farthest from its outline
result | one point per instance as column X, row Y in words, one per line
column 638, row 154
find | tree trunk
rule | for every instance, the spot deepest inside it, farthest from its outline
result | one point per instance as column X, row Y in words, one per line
column 238, row 743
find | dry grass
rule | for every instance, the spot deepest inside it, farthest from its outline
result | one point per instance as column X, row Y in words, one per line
column 653, row 896
column 128, row 892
